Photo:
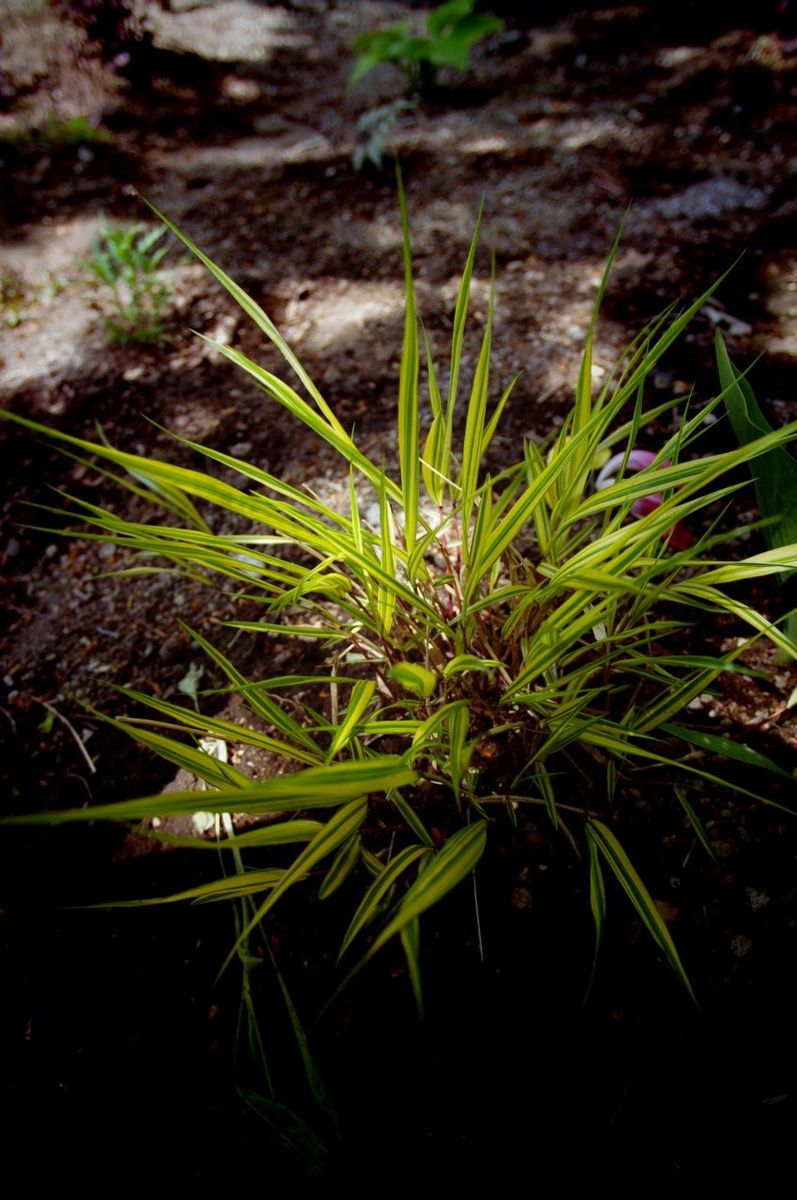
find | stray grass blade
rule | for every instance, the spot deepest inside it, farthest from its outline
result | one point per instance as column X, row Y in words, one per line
column 625, row 874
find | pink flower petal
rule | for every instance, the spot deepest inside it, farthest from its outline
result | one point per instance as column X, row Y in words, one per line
column 638, row 460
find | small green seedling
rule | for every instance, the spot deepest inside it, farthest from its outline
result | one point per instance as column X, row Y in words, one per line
column 70, row 131
column 55, row 133
column 373, row 129
column 13, row 300
column 452, row 29
column 126, row 267
column 18, row 298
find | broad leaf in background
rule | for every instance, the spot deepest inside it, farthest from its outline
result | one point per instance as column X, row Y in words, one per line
column 774, row 473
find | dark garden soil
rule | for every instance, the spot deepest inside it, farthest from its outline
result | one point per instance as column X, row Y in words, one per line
column 235, row 119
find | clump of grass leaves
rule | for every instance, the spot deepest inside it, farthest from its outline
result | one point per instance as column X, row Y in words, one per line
column 497, row 643
column 126, row 268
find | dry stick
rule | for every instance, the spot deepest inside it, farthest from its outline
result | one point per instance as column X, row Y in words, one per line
column 80, row 743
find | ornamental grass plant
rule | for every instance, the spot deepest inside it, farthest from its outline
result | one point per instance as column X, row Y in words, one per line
column 495, row 644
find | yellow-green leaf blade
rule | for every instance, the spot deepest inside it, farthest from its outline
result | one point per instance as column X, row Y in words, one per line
column 414, row 678
column 626, row 875
column 315, row 787
column 451, row 864
column 408, row 409
column 372, row 900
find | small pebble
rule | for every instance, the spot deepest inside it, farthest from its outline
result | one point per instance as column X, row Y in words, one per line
column 755, row 899
column 741, row 945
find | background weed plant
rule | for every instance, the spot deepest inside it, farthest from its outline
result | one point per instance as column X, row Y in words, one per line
column 452, row 29
column 17, row 297
column 125, row 265
column 374, row 128
column 58, row 131
column 496, row 643
column 54, row 133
